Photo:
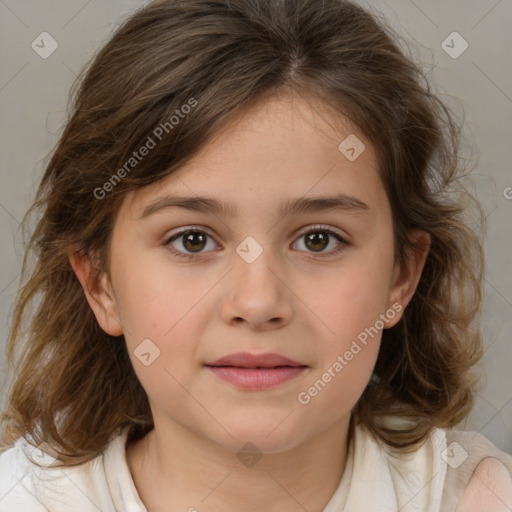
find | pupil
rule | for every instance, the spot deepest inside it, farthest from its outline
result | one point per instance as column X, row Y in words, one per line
column 194, row 239
column 318, row 240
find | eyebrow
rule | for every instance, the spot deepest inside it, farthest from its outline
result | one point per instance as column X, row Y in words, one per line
column 294, row 206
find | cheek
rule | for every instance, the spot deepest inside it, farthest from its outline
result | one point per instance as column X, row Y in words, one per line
column 352, row 380
column 169, row 310
column 351, row 300
column 350, row 305
column 157, row 300
column 346, row 368
column 333, row 393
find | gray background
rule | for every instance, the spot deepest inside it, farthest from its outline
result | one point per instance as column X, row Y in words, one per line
column 33, row 99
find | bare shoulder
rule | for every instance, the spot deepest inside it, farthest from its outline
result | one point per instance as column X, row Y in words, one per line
column 490, row 488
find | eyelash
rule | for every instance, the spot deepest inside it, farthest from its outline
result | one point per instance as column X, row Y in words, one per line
column 312, row 229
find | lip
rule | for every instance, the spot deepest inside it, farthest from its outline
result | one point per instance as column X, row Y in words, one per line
column 256, row 371
column 248, row 360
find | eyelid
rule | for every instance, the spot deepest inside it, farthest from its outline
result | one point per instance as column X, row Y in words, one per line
column 306, row 229
column 324, row 227
column 191, row 227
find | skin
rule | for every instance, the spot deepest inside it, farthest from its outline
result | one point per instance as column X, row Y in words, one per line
column 303, row 302
column 490, row 488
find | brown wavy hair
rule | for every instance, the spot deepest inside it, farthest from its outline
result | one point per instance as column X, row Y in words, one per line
column 73, row 384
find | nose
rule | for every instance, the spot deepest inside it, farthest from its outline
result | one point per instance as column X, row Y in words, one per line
column 256, row 293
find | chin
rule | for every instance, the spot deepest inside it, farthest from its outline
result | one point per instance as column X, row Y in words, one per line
column 267, row 438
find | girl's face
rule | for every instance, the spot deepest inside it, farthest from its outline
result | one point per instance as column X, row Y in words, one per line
column 261, row 276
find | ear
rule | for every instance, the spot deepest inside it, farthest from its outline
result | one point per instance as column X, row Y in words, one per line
column 405, row 281
column 97, row 288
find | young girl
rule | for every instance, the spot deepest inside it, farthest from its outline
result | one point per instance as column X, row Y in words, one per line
column 256, row 288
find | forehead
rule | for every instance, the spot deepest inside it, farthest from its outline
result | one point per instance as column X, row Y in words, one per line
column 280, row 149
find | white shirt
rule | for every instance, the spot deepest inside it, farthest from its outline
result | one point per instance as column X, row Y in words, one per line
column 433, row 478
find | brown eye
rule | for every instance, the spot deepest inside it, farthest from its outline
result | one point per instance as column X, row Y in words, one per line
column 194, row 241
column 318, row 239
column 190, row 242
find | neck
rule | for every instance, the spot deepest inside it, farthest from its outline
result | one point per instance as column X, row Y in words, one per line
column 174, row 467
